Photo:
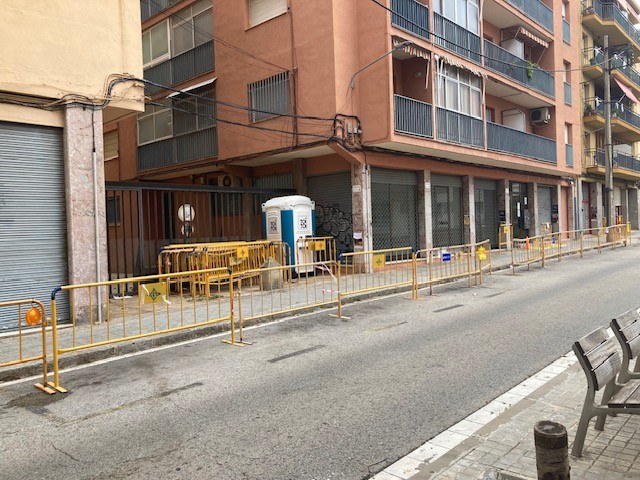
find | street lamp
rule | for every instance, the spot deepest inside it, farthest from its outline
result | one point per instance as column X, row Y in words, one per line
column 352, row 83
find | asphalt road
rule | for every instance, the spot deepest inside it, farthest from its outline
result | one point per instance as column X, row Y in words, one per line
column 315, row 397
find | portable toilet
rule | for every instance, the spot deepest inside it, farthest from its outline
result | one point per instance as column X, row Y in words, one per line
column 288, row 219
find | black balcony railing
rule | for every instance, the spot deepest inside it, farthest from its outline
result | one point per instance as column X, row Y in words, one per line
column 509, row 140
column 413, row 116
column 620, row 111
column 536, row 10
column 502, row 61
column 610, row 11
column 459, row 128
column 455, row 38
column 187, row 65
column 183, row 148
column 621, row 160
column 412, row 16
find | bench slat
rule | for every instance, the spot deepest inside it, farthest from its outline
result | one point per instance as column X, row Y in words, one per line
column 605, row 372
column 629, row 395
column 628, row 318
column 592, row 340
column 602, row 352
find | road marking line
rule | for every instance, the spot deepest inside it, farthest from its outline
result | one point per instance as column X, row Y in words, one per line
column 443, row 443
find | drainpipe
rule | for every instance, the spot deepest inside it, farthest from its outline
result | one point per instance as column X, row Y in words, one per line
column 96, row 223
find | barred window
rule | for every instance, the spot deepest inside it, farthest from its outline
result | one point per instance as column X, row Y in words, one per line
column 262, row 10
column 270, row 97
column 110, row 144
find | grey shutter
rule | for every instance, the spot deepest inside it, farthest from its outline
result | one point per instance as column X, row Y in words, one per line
column 282, row 181
column 486, row 210
column 485, row 184
column 33, row 231
column 544, row 205
column 394, row 177
column 332, row 194
column 446, row 181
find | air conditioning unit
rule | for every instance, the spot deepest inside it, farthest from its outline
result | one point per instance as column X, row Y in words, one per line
column 229, row 181
column 539, row 116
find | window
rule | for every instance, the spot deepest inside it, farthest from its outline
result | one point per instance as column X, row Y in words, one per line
column 566, row 74
column 462, row 12
column 460, row 91
column 565, row 11
column 568, row 134
column 155, row 123
column 270, row 96
column 515, row 119
column 490, row 114
column 199, row 112
column 155, row 44
column 110, row 145
column 113, row 211
column 192, row 27
column 262, row 10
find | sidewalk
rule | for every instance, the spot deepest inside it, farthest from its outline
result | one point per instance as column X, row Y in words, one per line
column 498, row 439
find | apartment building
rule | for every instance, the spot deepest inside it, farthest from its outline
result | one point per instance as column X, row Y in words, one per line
column 61, row 76
column 618, row 21
column 410, row 123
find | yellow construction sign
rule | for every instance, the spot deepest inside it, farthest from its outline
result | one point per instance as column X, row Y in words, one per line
column 242, row 252
column 379, row 260
column 154, row 292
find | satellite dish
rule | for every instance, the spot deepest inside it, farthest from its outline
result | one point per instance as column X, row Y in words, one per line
column 186, row 213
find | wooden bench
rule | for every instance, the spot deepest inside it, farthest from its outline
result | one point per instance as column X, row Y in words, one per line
column 599, row 356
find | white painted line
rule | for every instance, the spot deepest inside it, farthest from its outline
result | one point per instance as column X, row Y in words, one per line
column 406, row 467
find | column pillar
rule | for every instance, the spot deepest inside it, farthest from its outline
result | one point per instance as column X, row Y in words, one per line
column 556, row 199
column 572, row 221
column 83, row 133
column 598, row 196
column 624, row 193
column 468, row 209
column 425, row 223
column 361, row 208
column 300, row 176
column 532, row 205
column 504, row 204
column 580, row 206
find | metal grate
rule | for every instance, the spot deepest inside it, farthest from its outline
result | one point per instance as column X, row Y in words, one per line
column 395, row 216
column 486, row 210
column 446, row 209
column 270, row 96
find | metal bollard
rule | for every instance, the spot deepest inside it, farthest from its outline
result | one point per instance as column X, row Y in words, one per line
column 552, row 458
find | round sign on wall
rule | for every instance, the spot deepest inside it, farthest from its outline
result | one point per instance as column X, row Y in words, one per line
column 186, row 213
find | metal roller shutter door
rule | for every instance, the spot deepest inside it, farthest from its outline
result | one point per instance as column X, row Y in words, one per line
column 486, row 210
column 394, row 208
column 33, row 228
column 332, row 194
column 544, row 206
column 446, row 210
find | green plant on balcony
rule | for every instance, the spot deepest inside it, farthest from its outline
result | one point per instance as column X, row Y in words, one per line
column 530, row 67
column 588, row 109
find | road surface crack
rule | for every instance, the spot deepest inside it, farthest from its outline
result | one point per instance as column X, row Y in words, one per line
column 66, row 453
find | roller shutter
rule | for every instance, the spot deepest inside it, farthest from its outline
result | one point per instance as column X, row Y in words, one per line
column 544, row 207
column 486, row 210
column 332, row 194
column 446, row 210
column 394, row 208
column 33, row 235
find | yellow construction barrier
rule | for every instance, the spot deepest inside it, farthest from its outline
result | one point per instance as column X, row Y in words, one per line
column 437, row 265
column 273, row 291
column 505, row 236
column 96, row 319
column 316, row 249
column 31, row 318
column 369, row 271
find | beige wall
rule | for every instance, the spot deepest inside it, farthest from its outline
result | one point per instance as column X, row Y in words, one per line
column 51, row 48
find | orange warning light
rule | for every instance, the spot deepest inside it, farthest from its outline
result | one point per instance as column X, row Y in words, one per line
column 33, row 316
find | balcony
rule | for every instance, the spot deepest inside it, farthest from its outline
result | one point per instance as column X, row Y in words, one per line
column 624, row 166
column 149, row 8
column 413, row 117
column 592, row 68
column 416, row 12
column 535, row 10
column 459, row 40
column 179, row 149
column 567, row 93
column 625, row 124
column 502, row 61
column 568, row 155
column 566, row 32
column 459, row 128
column 607, row 19
column 508, row 140
column 187, row 65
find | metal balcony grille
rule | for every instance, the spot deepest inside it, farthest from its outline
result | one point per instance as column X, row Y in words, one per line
column 413, row 116
column 457, row 39
column 270, row 97
column 505, row 139
column 412, row 16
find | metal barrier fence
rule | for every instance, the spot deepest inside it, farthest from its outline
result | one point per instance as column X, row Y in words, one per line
column 369, row 271
column 436, row 265
column 153, row 311
column 526, row 251
column 35, row 320
column 273, row 291
column 317, row 249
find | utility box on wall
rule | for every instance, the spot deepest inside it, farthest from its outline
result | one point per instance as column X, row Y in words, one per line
column 288, row 219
